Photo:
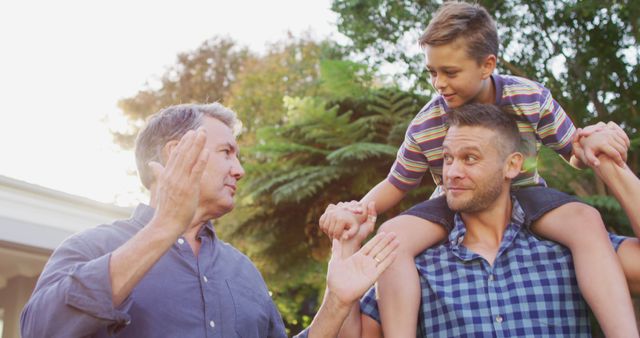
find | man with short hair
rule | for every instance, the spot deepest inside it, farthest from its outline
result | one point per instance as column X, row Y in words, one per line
column 164, row 272
column 493, row 276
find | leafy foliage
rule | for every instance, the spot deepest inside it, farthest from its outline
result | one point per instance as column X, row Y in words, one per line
column 203, row 75
column 586, row 52
column 323, row 153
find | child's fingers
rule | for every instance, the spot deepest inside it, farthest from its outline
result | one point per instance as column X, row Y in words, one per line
column 591, row 157
column 588, row 130
column 332, row 226
column 350, row 231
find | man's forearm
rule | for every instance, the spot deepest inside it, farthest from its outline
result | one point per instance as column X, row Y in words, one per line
column 131, row 262
column 330, row 317
column 624, row 185
column 73, row 295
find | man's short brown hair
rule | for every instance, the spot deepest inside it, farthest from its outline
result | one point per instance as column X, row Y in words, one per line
column 491, row 117
column 471, row 22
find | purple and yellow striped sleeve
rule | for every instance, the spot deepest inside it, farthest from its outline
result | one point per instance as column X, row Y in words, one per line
column 555, row 128
column 410, row 165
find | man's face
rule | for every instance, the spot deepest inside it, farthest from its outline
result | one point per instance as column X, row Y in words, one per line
column 218, row 184
column 473, row 171
column 455, row 75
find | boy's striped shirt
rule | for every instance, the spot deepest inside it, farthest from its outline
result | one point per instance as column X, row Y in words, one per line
column 540, row 119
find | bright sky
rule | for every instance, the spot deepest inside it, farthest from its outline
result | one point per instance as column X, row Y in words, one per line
column 65, row 64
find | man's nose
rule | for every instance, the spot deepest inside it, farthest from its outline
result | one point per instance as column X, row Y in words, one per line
column 237, row 170
column 453, row 170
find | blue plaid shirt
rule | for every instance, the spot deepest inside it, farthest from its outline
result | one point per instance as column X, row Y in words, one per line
column 531, row 289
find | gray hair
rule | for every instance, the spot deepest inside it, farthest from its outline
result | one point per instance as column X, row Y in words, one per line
column 171, row 124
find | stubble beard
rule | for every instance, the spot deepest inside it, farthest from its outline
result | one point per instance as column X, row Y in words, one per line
column 482, row 198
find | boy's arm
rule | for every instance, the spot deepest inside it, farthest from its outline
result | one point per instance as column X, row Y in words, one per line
column 341, row 220
column 385, row 195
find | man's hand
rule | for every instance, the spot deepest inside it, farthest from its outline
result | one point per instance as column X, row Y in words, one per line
column 609, row 140
column 341, row 220
column 177, row 184
column 348, row 278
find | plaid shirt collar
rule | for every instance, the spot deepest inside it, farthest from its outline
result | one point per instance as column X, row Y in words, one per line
column 456, row 236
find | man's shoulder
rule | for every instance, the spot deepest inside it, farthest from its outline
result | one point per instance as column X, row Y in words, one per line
column 434, row 257
column 103, row 238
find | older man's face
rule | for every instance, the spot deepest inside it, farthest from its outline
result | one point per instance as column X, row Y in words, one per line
column 473, row 171
column 223, row 171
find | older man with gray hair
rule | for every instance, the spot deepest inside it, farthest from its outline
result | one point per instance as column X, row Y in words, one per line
column 164, row 272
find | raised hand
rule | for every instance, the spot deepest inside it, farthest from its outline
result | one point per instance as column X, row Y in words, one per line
column 177, row 183
column 349, row 277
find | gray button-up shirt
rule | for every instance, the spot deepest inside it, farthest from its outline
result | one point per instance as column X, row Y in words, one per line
column 219, row 293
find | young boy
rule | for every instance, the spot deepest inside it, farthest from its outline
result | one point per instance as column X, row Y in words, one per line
column 461, row 48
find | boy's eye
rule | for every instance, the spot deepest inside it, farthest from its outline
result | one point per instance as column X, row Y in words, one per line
column 451, row 74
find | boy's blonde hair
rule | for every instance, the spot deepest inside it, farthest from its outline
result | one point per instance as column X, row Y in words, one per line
column 471, row 22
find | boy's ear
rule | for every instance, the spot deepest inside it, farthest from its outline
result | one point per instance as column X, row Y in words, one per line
column 513, row 165
column 488, row 66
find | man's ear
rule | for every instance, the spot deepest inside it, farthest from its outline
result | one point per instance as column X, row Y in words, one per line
column 167, row 149
column 488, row 66
column 513, row 165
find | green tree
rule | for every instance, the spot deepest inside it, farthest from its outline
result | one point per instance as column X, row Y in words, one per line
column 585, row 51
column 326, row 151
column 202, row 75
column 290, row 67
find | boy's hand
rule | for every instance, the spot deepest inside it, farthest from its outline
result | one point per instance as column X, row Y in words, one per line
column 338, row 222
column 351, row 242
column 610, row 141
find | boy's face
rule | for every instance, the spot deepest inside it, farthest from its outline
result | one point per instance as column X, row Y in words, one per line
column 458, row 77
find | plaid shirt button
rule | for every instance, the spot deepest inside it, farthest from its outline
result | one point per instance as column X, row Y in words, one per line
column 499, row 319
